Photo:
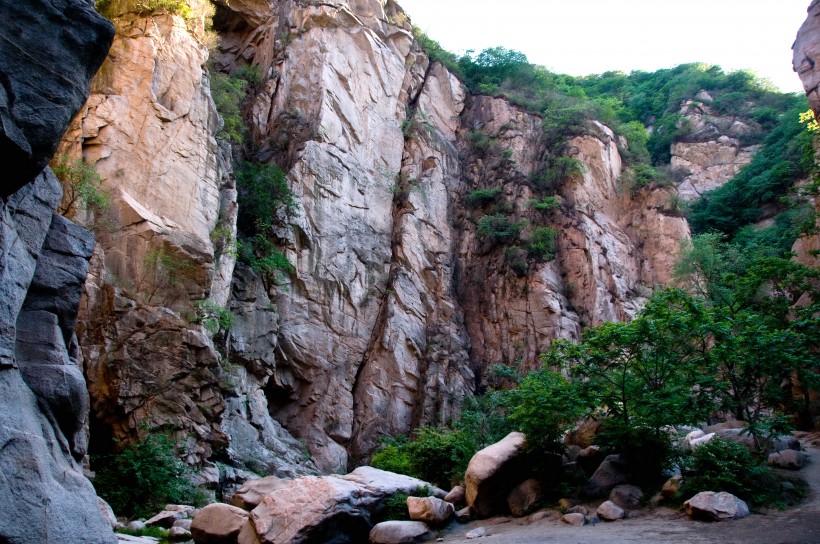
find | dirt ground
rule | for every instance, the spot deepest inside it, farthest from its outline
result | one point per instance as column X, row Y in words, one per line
column 800, row 525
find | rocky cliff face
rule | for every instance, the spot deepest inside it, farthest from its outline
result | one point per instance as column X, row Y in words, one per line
column 714, row 149
column 44, row 401
column 806, row 51
column 397, row 305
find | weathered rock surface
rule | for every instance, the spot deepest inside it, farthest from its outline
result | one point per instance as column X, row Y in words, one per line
column 45, row 498
column 711, row 506
column 430, row 510
column 714, row 149
column 252, row 492
column 457, row 495
column 400, row 532
column 493, row 472
column 317, row 509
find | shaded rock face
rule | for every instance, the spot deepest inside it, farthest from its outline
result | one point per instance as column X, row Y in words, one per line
column 806, row 53
column 45, row 497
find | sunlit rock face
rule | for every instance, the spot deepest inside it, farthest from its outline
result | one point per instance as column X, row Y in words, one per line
column 397, row 306
column 806, row 50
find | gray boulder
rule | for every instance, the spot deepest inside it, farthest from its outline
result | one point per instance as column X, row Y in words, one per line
column 457, row 495
column 610, row 473
column 790, row 459
column 626, row 496
column 400, row 532
column 711, row 506
column 609, row 511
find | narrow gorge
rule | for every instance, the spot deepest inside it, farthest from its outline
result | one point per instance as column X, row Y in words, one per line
column 423, row 234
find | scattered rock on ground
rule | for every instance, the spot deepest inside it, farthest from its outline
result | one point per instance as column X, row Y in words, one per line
column 430, row 510
column 610, row 473
column 183, row 523
column 456, row 495
column 741, row 437
column 694, row 435
column 218, row 524
column 609, row 511
column 712, row 506
column 578, row 509
column 477, row 533
column 524, row 497
column 791, row 459
column 400, row 532
column 541, row 514
column 626, row 496
column 574, row 518
column 493, row 472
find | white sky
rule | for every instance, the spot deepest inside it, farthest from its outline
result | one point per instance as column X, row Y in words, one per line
column 581, row 37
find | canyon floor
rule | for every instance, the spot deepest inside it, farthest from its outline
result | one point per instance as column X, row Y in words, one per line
column 799, row 525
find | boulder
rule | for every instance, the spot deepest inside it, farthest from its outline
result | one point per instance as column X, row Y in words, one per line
column 541, row 514
column 135, row 525
column 400, row 532
column 492, row 473
column 610, row 473
column 578, row 509
column 431, row 510
column 318, row 509
column 575, row 518
column 791, row 459
column 712, row 506
column 687, row 440
column 524, row 497
column 584, row 433
column 700, row 440
column 609, row 511
column 457, row 495
column 626, row 496
column 252, row 492
column 183, row 524
column 218, row 524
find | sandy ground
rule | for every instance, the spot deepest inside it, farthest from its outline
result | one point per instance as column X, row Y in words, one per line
column 800, row 525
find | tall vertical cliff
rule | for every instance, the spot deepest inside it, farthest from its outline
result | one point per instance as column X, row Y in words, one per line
column 398, row 301
column 806, row 51
column 49, row 51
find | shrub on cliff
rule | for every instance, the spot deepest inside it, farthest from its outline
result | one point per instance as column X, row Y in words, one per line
column 499, row 228
column 144, row 477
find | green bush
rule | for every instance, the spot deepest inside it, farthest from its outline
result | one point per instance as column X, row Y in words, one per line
column 482, row 197
column 436, row 455
column 263, row 257
column 263, row 190
column 499, row 228
column 82, row 186
column 721, row 465
column 228, row 93
column 212, row 316
column 559, row 169
column 548, row 203
column 543, row 243
column 143, row 478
